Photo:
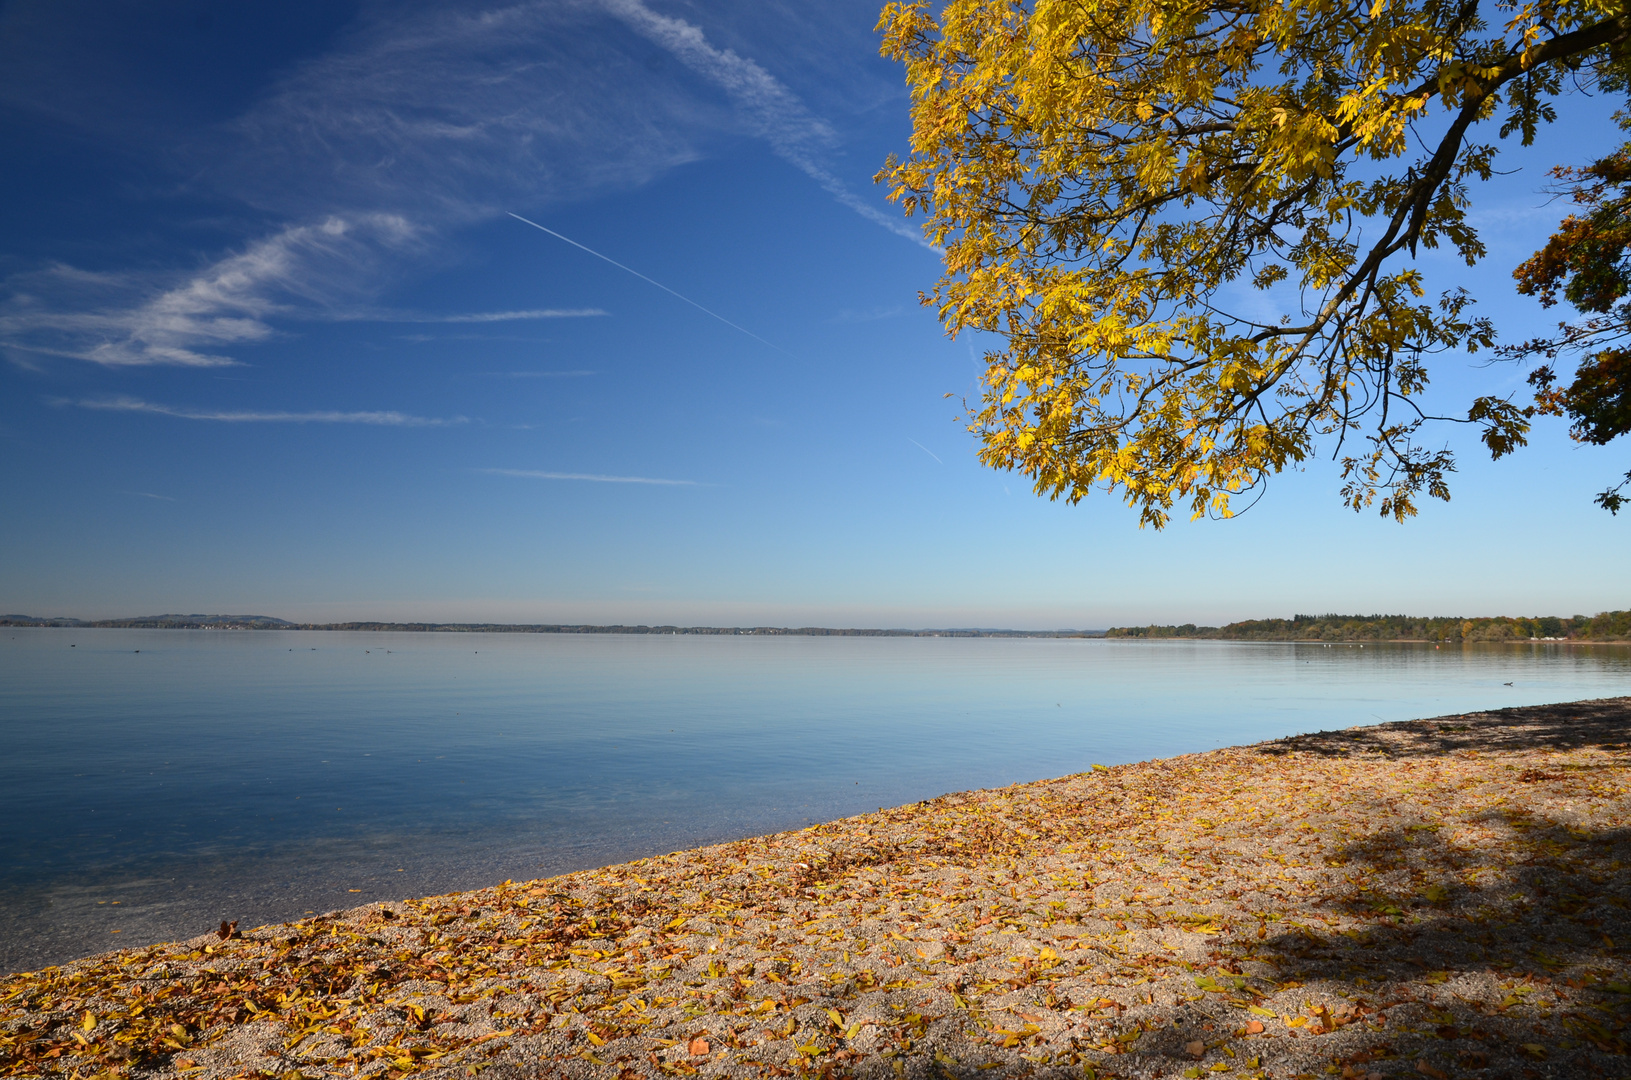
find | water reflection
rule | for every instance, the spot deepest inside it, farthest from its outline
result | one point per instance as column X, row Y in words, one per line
column 259, row 775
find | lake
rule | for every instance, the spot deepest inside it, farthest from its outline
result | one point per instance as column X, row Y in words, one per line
column 155, row 782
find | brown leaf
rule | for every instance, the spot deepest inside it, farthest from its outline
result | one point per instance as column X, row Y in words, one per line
column 697, row 1047
column 1196, row 1049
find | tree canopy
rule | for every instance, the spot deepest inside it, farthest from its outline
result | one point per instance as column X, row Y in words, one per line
column 1605, row 626
column 1589, row 260
column 1111, row 181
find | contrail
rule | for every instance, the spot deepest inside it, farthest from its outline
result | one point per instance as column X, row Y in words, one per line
column 534, row 474
column 797, row 135
column 923, row 448
column 643, row 277
column 383, row 418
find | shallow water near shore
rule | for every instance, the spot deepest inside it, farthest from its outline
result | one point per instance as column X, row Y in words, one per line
column 155, row 782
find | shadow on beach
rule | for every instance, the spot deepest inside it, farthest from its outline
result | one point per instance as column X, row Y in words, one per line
column 1604, row 723
column 1494, row 944
column 1438, row 898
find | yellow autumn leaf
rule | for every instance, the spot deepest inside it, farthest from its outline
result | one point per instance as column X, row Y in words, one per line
column 1130, row 357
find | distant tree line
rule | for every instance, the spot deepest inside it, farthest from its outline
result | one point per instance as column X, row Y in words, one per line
column 157, row 622
column 266, row 622
column 1605, row 626
column 711, row 631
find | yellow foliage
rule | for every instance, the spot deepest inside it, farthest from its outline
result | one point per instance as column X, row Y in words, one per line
column 1106, row 177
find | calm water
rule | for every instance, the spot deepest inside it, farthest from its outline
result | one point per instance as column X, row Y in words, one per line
column 263, row 775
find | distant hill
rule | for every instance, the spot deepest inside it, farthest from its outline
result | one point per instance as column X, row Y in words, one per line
column 266, row 622
column 767, row 631
column 166, row 621
column 158, row 622
column 1605, row 626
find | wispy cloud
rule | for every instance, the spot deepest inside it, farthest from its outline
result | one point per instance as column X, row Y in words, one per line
column 516, row 316
column 539, row 374
column 450, row 111
column 598, row 478
column 150, row 495
column 423, row 119
column 476, row 316
column 382, row 418
column 773, row 111
column 296, row 274
column 61, row 311
column 444, row 339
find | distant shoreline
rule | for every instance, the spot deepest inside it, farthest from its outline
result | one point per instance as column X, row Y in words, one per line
column 1328, row 629
column 1604, row 627
column 261, row 622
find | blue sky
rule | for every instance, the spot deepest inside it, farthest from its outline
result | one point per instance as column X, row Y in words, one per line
column 272, row 343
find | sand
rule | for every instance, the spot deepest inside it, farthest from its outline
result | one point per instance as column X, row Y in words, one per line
column 1437, row 898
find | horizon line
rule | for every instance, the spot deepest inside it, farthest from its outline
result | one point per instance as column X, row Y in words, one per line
column 269, row 622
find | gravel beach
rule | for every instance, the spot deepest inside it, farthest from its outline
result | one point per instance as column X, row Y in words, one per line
column 1438, row 898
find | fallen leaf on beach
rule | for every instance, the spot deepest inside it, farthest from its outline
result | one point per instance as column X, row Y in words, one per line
column 1070, row 905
